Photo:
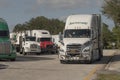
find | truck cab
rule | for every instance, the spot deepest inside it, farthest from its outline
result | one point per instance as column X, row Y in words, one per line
column 29, row 45
column 81, row 39
column 25, row 43
column 7, row 50
column 45, row 40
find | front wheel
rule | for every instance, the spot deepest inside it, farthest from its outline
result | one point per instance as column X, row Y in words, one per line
column 13, row 59
column 90, row 61
column 62, row 61
column 99, row 58
column 100, row 55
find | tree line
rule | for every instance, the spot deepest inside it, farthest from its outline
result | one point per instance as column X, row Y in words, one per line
column 53, row 25
column 111, row 9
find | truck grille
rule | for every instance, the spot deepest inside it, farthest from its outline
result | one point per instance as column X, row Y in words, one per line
column 73, row 49
column 33, row 46
column 49, row 46
column 5, row 48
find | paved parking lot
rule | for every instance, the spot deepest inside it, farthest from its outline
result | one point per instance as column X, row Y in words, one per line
column 48, row 67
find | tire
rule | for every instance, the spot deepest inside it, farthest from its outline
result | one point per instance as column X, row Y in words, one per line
column 99, row 58
column 90, row 61
column 37, row 53
column 20, row 52
column 100, row 55
column 13, row 59
column 62, row 61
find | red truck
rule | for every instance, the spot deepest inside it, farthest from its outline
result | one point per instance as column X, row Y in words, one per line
column 45, row 39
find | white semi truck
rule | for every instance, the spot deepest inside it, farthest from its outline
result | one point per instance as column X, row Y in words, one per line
column 81, row 39
column 25, row 43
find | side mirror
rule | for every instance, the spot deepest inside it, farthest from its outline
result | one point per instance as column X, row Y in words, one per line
column 23, row 39
column 60, row 37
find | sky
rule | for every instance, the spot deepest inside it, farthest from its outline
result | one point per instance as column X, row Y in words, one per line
column 20, row 11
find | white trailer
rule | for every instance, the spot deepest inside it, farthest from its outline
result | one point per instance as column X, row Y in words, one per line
column 81, row 39
column 41, row 33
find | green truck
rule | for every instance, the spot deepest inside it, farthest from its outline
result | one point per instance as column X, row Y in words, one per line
column 7, row 50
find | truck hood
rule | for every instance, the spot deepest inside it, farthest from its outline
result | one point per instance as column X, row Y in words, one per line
column 81, row 41
column 45, row 43
column 31, row 42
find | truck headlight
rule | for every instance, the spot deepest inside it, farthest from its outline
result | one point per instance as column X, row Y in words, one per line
column 86, row 49
column 68, row 49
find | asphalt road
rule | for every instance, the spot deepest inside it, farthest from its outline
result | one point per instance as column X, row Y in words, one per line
column 48, row 67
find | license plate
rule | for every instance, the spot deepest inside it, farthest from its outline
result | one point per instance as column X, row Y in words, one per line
column 72, row 51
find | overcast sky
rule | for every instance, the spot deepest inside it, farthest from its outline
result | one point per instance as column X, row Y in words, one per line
column 20, row 11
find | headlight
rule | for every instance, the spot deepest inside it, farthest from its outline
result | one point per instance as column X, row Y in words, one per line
column 68, row 49
column 86, row 49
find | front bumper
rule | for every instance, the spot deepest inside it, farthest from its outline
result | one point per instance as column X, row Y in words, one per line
column 28, row 50
column 75, row 56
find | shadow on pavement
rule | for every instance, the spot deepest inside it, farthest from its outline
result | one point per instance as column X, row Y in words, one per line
column 3, row 66
column 32, row 58
column 104, row 60
column 116, row 58
column 107, row 59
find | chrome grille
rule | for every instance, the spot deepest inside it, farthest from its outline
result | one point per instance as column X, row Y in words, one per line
column 5, row 48
column 73, row 48
column 33, row 46
column 49, row 46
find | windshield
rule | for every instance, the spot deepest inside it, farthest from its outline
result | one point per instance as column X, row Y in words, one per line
column 4, row 33
column 77, row 33
column 30, row 38
column 43, row 39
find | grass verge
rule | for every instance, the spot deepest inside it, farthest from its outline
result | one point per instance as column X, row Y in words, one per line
column 109, row 76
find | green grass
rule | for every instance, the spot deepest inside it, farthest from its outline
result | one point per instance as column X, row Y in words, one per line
column 108, row 77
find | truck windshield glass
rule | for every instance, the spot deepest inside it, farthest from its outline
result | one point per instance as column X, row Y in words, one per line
column 30, row 38
column 43, row 39
column 77, row 33
column 4, row 33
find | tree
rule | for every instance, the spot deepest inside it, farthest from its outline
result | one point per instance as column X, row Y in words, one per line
column 106, row 36
column 53, row 25
column 116, row 33
column 111, row 9
column 17, row 28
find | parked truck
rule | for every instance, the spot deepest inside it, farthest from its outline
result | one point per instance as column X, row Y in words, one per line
column 81, row 39
column 7, row 50
column 45, row 40
column 26, row 43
